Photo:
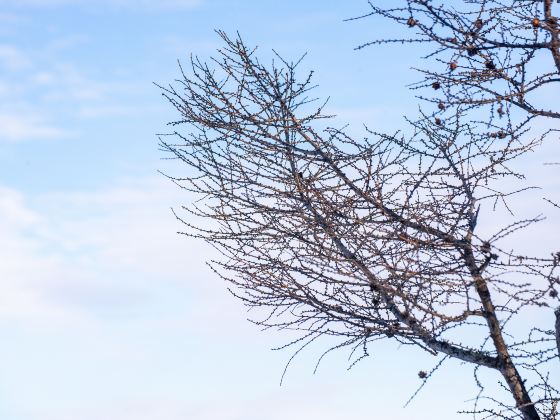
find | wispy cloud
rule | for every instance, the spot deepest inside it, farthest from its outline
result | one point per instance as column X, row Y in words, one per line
column 17, row 127
column 18, row 296
column 42, row 93
column 90, row 254
column 136, row 5
column 101, row 111
column 13, row 58
column 20, row 118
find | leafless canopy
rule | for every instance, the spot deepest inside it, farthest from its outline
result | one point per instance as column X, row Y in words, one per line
column 487, row 53
column 362, row 239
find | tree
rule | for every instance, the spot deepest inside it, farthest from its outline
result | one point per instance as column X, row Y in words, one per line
column 495, row 54
column 364, row 239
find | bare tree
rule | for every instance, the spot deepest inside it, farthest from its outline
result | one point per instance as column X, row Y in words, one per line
column 500, row 54
column 364, row 239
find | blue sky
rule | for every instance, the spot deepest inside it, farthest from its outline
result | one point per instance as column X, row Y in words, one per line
column 105, row 312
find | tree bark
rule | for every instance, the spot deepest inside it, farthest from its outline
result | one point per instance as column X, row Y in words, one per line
column 517, row 387
column 505, row 364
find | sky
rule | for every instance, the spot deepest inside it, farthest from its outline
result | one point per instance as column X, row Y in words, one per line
column 106, row 313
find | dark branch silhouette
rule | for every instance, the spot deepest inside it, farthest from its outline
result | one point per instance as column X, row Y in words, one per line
column 485, row 53
column 363, row 239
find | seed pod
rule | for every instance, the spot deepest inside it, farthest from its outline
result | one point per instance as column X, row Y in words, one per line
column 411, row 22
column 501, row 135
column 422, row 374
column 553, row 293
column 452, row 65
column 500, row 111
column 536, row 22
column 438, row 121
column 490, row 65
column 478, row 23
column 436, row 85
column 471, row 51
column 441, row 106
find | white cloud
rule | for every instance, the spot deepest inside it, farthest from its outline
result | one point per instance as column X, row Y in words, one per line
column 313, row 398
column 133, row 5
column 101, row 111
column 43, row 78
column 94, row 254
column 56, row 86
column 22, row 261
column 14, row 213
column 71, row 84
column 17, row 127
column 13, row 58
column 161, row 4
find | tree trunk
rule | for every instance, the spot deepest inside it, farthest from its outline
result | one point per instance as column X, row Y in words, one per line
column 517, row 387
column 505, row 364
